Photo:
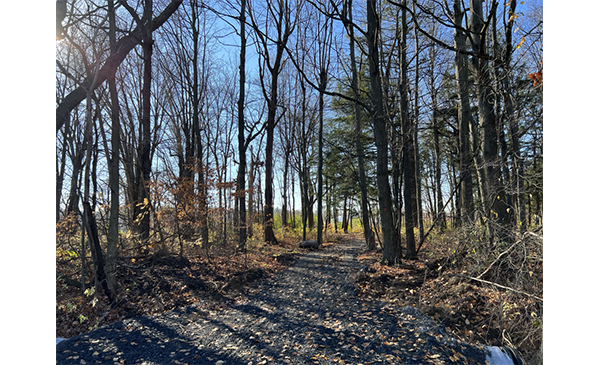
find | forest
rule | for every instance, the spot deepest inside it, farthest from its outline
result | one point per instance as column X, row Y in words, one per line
column 219, row 135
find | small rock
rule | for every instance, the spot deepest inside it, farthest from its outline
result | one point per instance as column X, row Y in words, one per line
column 308, row 244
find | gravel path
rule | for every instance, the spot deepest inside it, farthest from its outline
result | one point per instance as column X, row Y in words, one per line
column 306, row 314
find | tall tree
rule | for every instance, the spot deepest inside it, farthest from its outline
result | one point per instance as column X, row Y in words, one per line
column 323, row 61
column 436, row 126
column 198, row 93
column 112, row 237
column 408, row 132
column 304, row 158
column 418, row 175
column 461, row 74
column 241, row 177
column 495, row 201
column 284, row 22
column 509, row 113
column 392, row 252
column 142, row 203
column 348, row 23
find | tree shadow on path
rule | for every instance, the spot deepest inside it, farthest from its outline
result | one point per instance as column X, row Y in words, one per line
column 306, row 314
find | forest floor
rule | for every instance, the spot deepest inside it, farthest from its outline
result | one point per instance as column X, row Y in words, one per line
column 327, row 297
column 156, row 283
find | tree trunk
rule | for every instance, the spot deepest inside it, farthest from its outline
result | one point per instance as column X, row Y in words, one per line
column 286, row 167
column 515, row 148
column 461, row 73
column 396, row 154
column 441, row 215
column 418, row 183
column 88, row 219
column 97, row 255
column 322, row 87
column 112, row 237
column 329, row 203
column 284, row 28
column 202, row 204
column 304, row 169
column 250, row 217
column 241, row 178
column 392, row 252
column 345, row 215
column 357, row 134
column 410, row 182
column 495, row 201
column 60, row 175
column 76, row 163
column 145, row 128
column 311, row 212
column 268, row 214
column 293, row 203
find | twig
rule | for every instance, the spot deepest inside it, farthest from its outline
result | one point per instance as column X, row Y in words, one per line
column 500, row 286
column 497, row 258
column 505, row 252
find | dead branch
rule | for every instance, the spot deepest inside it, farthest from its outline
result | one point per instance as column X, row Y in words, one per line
column 500, row 286
column 498, row 258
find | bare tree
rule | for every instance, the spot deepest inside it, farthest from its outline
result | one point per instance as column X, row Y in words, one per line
column 280, row 15
column 241, row 177
column 324, row 43
column 124, row 45
column 348, row 23
column 392, row 252
column 112, row 237
column 408, row 133
column 145, row 162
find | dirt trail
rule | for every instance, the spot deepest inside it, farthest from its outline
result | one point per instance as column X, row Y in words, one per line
column 306, row 314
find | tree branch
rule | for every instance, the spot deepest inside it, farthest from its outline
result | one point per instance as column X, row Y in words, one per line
column 500, row 286
column 438, row 41
column 124, row 46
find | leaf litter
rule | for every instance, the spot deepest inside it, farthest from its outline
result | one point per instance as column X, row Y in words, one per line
column 310, row 313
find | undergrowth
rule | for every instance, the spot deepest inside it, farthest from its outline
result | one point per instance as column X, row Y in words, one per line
column 484, row 292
